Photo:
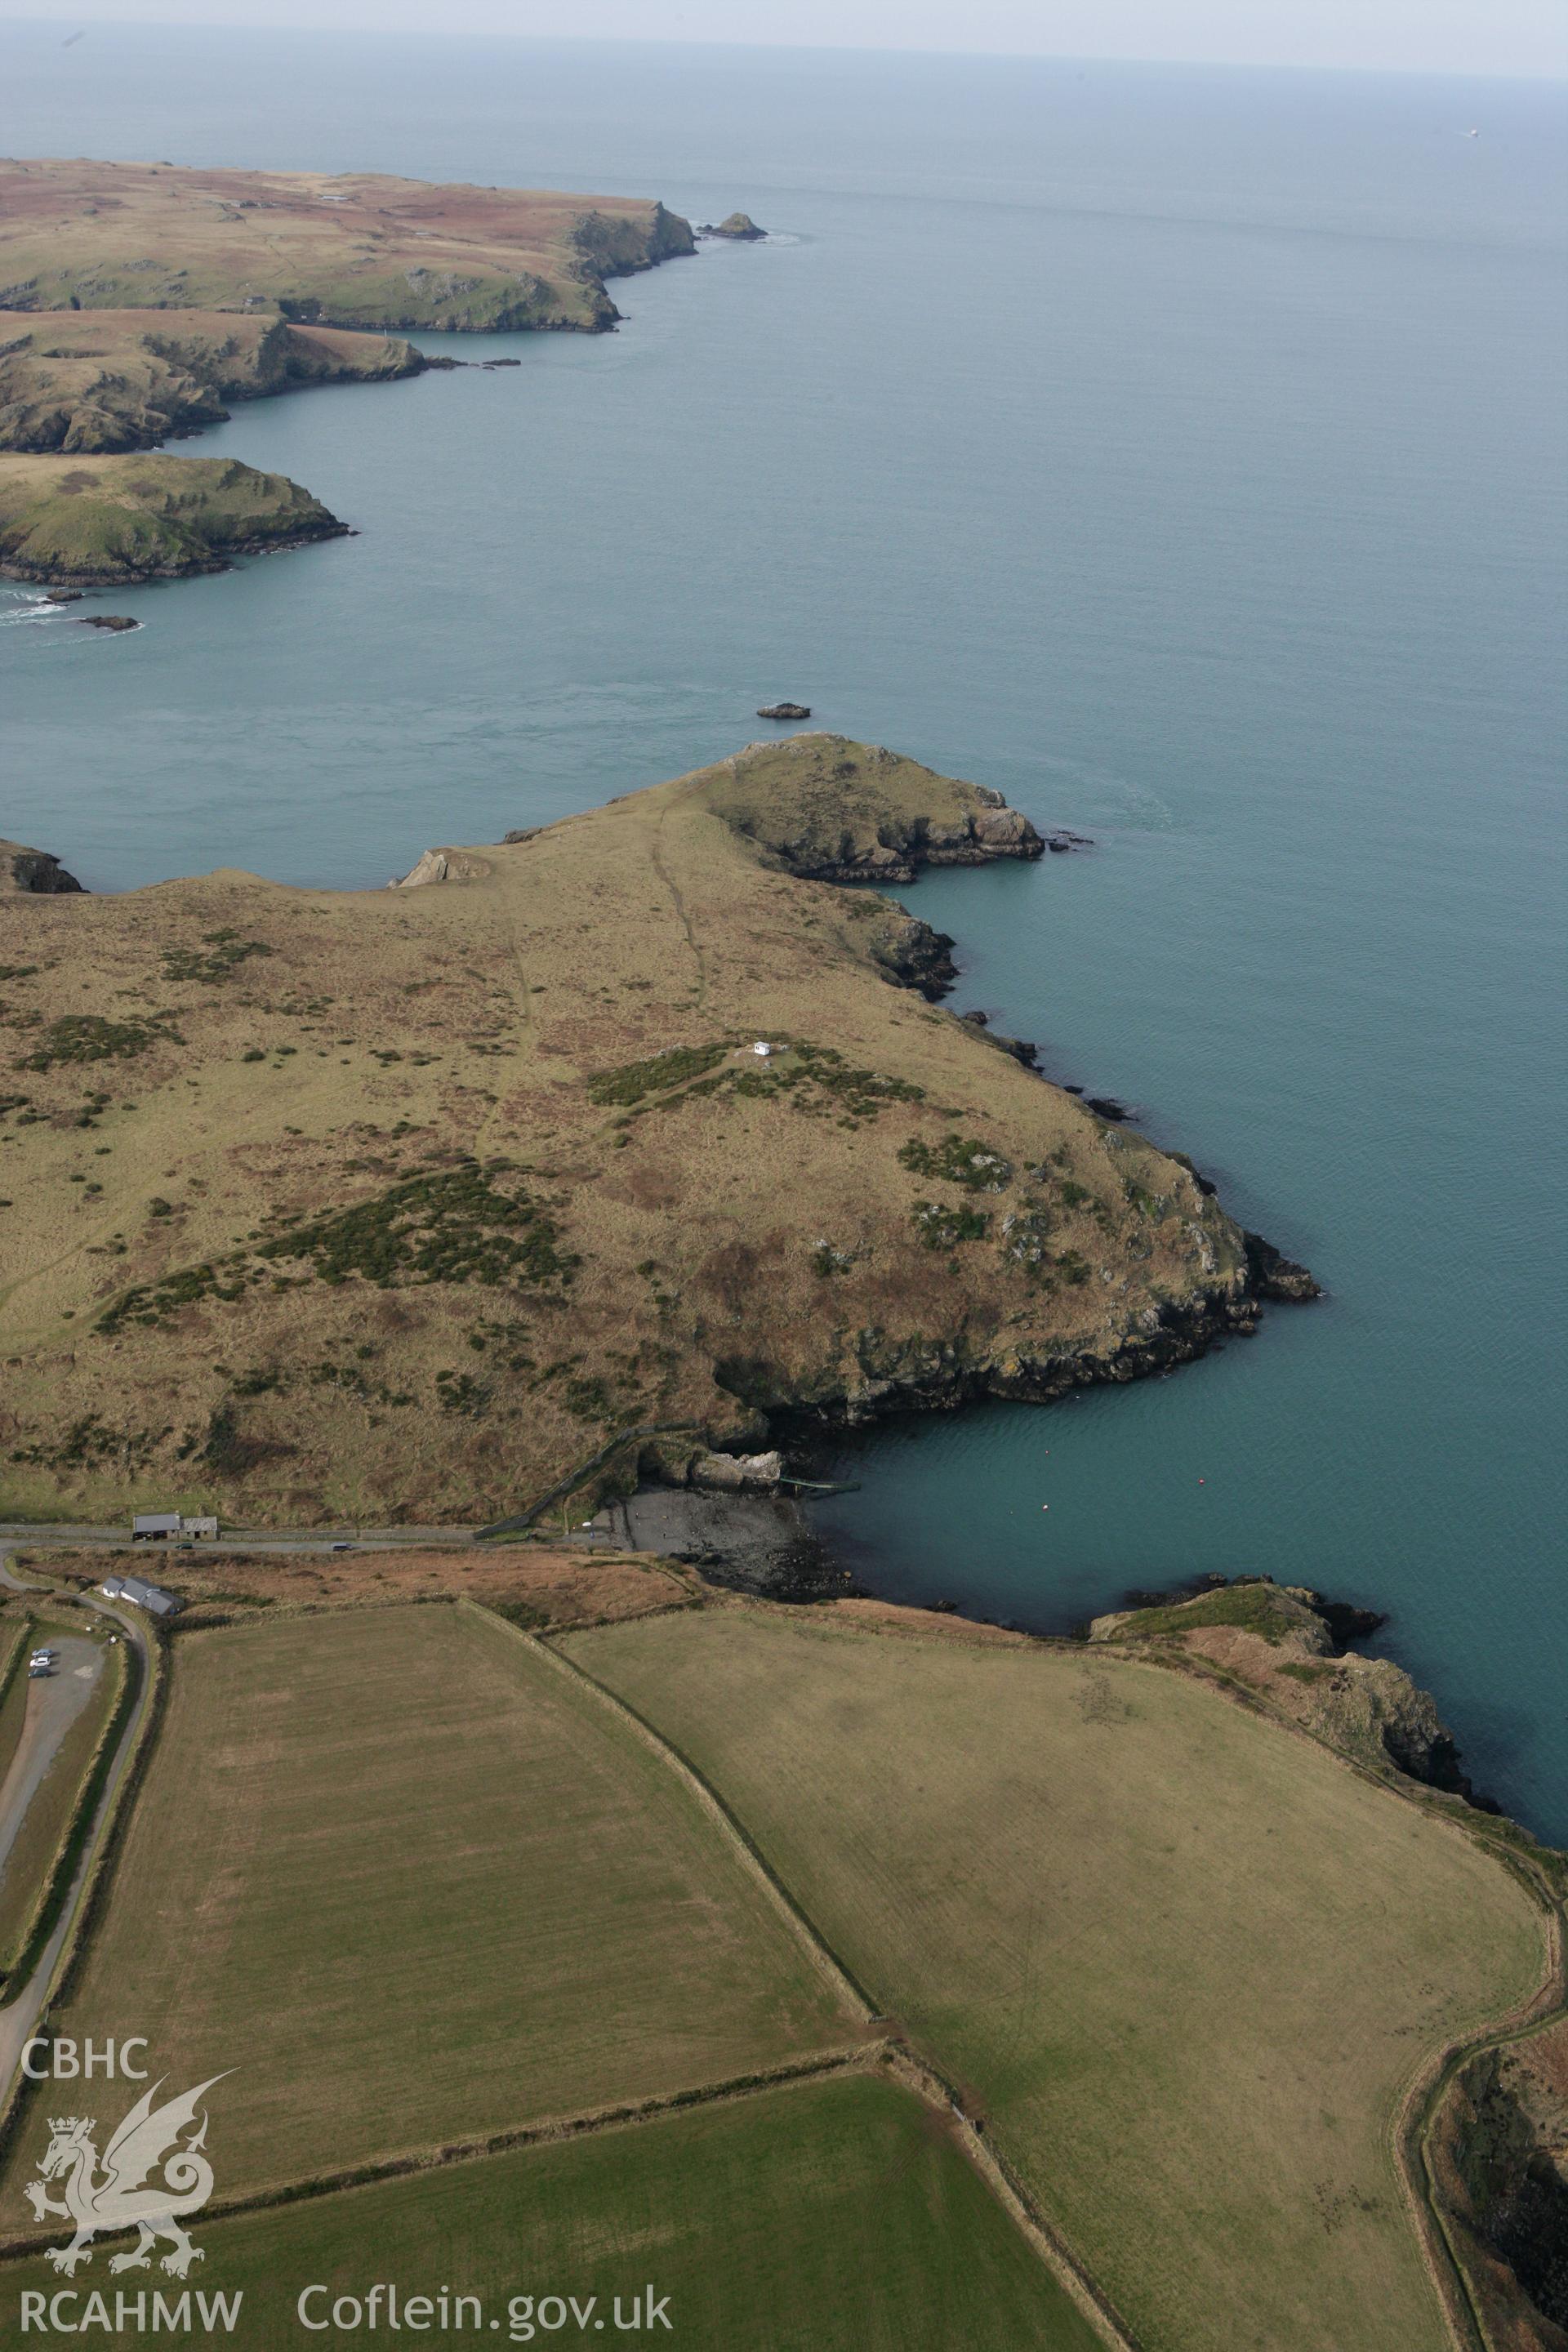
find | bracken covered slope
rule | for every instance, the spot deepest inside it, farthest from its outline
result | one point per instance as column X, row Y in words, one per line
column 408, row 1202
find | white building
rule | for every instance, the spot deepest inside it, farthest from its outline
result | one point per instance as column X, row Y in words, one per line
column 141, row 1595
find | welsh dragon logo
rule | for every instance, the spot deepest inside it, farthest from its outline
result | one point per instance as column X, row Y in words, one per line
column 124, row 2194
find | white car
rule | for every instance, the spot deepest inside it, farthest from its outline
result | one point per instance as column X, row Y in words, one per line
column 43, row 1657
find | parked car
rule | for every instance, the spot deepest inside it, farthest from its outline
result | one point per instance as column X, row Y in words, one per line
column 38, row 1668
column 339, row 1547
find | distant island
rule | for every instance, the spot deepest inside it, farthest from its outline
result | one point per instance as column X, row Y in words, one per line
column 410, row 1204
column 137, row 300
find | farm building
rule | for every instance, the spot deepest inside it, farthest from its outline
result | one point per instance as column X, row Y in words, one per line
column 141, row 1595
column 163, row 1526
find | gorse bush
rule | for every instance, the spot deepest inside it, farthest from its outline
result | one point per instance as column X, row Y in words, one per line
column 453, row 1226
column 223, row 951
column 959, row 1159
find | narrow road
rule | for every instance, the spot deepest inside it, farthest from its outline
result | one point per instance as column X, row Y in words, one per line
column 30, row 1535
column 53, row 1705
column 20, row 2015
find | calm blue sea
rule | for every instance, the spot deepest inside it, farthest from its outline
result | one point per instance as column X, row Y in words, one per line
column 1181, row 452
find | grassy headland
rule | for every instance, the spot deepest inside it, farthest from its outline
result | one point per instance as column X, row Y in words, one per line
column 98, row 522
column 136, row 299
column 407, row 1202
column 357, row 250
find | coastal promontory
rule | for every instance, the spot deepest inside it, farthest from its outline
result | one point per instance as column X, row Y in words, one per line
column 94, row 382
column 358, row 249
column 410, row 1203
column 138, row 301
column 97, row 522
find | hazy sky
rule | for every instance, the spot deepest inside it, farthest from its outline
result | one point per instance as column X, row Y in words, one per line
column 1487, row 37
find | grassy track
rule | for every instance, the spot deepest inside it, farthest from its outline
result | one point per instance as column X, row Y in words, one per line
column 1187, row 1962
column 835, row 2215
column 413, row 1886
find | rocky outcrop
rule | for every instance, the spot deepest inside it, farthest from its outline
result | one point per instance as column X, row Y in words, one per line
column 441, row 865
column 737, row 1473
column 1275, row 1276
column 34, row 871
column 117, row 622
column 1019, row 1049
column 785, row 710
column 907, row 848
column 1499, row 2155
column 909, row 953
column 832, row 810
column 1288, row 1641
column 739, row 226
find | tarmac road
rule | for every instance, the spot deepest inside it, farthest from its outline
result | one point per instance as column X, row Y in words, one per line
column 20, row 2015
column 53, row 1705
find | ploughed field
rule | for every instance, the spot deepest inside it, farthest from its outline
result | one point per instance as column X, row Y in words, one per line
column 1187, row 1964
column 412, row 1203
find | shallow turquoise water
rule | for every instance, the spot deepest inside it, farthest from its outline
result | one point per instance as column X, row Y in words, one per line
column 1181, row 453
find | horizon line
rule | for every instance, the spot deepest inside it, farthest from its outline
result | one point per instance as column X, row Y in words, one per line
column 1550, row 77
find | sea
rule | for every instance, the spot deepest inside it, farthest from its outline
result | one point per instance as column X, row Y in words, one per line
column 1181, row 452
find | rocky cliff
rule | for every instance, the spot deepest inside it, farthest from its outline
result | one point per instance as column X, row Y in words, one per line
column 101, row 381
column 1288, row 1643
column 35, row 871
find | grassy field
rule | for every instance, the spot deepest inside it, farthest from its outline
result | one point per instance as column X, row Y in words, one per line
column 358, row 250
column 835, row 2215
column 404, row 1203
column 1187, row 1962
column 412, row 1886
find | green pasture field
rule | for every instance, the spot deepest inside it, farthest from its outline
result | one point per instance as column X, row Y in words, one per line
column 404, row 1882
column 1187, row 1963
column 836, row 2215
